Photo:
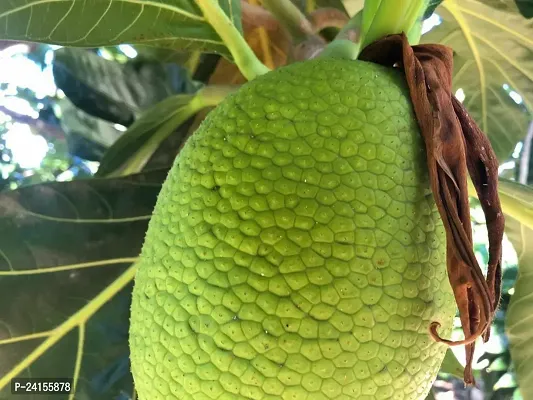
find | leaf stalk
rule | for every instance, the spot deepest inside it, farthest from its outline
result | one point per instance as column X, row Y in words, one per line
column 243, row 56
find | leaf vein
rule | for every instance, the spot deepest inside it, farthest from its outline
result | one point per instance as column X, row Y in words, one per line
column 497, row 24
column 79, row 356
column 80, row 317
column 168, row 7
column 96, row 23
column 60, row 21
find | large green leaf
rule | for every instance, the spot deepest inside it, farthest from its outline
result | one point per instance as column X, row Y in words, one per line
column 519, row 314
column 147, row 132
column 494, row 47
column 517, row 203
column 116, row 92
column 178, row 24
column 66, row 255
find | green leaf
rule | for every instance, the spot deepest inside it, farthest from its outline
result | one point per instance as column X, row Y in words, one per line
column 76, row 122
column 519, row 325
column 493, row 45
column 112, row 91
column 133, row 150
column 525, row 7
column 177, row 24
column 159, row 121
column 506, row 381
column 433, row 4
column 66, row 255
column 450, row 365
column 517, row 201
column 499, row 364
column 181, row 57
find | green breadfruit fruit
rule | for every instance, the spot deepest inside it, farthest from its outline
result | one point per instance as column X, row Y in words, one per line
column 295, row 251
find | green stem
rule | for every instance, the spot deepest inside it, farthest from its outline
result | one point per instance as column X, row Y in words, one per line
column 387, row 17
column 415, row 33
column 208, row 96
column 346, row 44
column 290, row 17
column 341, row 48
column 243, row 56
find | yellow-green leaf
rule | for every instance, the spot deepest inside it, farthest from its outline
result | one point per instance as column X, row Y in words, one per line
column 450, row 365
column 519, row 324
column 493, row 43
column 517, row 201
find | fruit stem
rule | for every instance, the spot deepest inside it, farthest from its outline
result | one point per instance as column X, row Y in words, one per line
column 388, row 17
column 346, row 43
column 243, row 56
column 414, row 35
column 341, row 48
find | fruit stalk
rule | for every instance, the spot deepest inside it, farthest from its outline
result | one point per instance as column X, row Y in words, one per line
column 377, row 19
column 386, row 17
column 290, row 17
column 346, row 43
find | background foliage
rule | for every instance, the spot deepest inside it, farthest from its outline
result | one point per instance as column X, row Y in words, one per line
column 88, row 132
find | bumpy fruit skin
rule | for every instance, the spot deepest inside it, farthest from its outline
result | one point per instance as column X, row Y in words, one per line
column 295, row 251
